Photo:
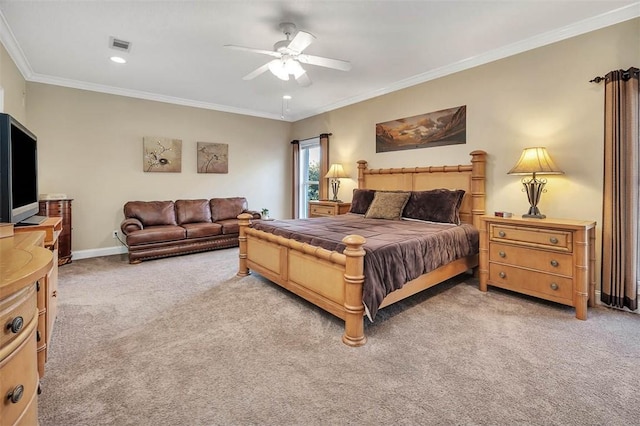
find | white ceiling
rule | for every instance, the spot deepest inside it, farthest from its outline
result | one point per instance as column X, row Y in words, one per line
column 177, row 52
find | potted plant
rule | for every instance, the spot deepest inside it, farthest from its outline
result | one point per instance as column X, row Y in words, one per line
column 265, row 213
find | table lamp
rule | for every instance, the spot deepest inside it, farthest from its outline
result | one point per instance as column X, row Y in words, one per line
column 534, row 161
column 335, row 173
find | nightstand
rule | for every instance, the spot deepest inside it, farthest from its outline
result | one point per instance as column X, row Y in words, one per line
column 553, row 259
column 327, row 208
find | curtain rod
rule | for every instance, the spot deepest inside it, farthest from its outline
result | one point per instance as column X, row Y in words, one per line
column 626, row 75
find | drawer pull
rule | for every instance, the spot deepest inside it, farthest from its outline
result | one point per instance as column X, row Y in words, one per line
column 502, row 254
column 16, row 394
column 554, row 263
column 554, row 286
column 16, row 325
column 553, row 240
column 502, row 274
column 502, row 234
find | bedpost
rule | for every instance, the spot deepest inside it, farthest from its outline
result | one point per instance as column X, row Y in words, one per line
column 362, row 166
column 478, row 179
column 354, row 280
column 243, row 221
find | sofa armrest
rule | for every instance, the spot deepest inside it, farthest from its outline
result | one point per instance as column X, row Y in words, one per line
column 255, row 214
column 129, row 225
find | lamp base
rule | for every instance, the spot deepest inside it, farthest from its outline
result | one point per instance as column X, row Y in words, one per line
column 534, row 216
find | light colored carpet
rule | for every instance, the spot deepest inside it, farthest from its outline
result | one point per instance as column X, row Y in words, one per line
column 183, row 341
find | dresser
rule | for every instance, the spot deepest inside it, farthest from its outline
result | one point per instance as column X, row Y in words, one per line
column 553, row 259
column 327, row 208
column 47, row 287
column 23, row 262
column 60, row 208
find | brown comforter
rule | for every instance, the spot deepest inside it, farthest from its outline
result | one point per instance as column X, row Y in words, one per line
column 397, row 251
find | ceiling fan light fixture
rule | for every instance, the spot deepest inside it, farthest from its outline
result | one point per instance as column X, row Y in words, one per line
column 294, row 68
column 278, row 68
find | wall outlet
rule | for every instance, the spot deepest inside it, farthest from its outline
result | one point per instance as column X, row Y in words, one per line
column 115, row 234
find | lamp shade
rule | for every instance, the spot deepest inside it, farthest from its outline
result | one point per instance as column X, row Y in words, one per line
column 535, row 160
column 336, row 171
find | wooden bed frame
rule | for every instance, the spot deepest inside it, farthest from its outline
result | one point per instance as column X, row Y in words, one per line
column 333, row 281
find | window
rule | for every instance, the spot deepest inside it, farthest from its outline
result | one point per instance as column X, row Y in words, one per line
column 309, row 172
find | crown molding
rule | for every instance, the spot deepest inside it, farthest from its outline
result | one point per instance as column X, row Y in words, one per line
column 75, row 84
column 613, row 17
column 591, row 24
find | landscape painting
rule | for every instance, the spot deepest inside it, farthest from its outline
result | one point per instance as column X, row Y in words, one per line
column 162, row 154
column 213, row 157
column 444, row 127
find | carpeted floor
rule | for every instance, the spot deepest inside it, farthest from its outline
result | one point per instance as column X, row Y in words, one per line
column 183, row 341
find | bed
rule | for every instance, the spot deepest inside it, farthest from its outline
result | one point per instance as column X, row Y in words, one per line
column 331, row 274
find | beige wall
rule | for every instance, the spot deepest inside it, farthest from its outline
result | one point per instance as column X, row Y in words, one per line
column 13, row 87
column 90, row 147
column 91, row 143
column 541, row 97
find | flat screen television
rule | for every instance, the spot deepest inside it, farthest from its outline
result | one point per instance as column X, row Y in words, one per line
column 18, row 173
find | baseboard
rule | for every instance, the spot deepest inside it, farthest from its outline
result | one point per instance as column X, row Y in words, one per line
column 107, row 251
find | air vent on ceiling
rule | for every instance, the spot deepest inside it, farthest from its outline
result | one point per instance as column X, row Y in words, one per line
column 118, row 44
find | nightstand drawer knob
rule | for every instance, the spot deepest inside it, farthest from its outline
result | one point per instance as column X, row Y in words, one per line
column 554, row 263
column 553, row 240
column 554, row 286
column 502, row 234
column 502, row 274
column 15, row 325
column 502, row 254
column 16, row 394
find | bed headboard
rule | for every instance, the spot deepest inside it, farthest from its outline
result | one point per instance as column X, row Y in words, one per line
column 470, row 177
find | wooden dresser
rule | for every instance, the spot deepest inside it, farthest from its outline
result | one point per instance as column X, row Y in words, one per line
column 47, row 289
column 60, row 208
column 553, row 259
column 327, row 208
column 23, row 261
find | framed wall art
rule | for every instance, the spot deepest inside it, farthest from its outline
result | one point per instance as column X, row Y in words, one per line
column 162, row 154
column 213, row 157
column 444, row 127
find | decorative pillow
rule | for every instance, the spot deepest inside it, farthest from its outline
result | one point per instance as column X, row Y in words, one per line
column 387, row 205
column 361, row 200
column 436, row 205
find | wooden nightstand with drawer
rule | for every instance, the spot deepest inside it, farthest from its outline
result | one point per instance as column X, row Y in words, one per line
column 553, row 259
column 327, row 208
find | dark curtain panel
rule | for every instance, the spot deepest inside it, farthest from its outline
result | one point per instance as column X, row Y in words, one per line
column 324, row 166
column 621, row 199
column 295, row 188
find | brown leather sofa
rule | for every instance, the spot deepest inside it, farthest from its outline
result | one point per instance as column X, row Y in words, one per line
column 156, row 229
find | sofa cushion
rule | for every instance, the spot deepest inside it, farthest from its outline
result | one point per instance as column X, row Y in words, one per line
column 155, row 234
column 193, row 211
column 199, row 230
column 230, row 226
column 227, row 208
column 151, row 213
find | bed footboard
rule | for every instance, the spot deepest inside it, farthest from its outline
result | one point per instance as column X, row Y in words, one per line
column 330, row 280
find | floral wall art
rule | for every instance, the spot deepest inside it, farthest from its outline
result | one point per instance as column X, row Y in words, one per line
column 162, row 154
column 444, row 127
column 213, row 157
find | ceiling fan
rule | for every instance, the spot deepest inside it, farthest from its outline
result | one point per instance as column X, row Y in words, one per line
column 288, row 54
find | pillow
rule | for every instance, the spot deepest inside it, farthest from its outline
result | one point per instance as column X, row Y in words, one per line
column 361, row 200
column 387, row 205
column 436, row 205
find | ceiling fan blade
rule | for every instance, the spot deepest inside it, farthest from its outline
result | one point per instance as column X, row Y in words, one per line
column 301, row 41
column 257, row 72
column 252, row 50
column 336, row 64
column 304, row 80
